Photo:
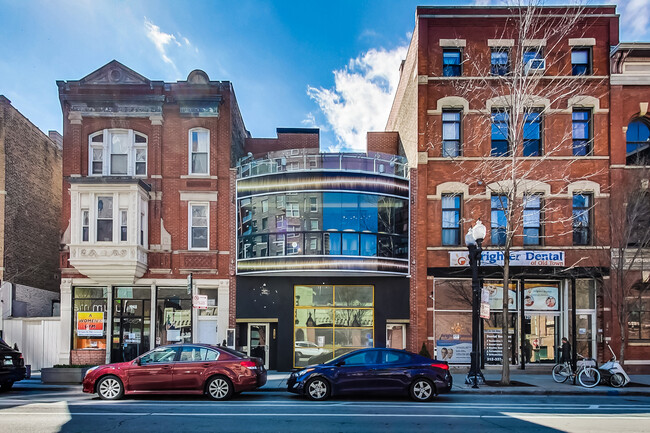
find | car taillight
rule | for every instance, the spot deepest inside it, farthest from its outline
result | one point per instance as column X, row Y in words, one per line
column 249, row 364
column 443, row 366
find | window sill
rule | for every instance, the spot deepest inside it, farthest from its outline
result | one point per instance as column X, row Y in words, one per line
column 198, row 176
column 639, row 343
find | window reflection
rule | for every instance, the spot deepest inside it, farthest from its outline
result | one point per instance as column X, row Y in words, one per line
column 330, row 321
column 338, row 223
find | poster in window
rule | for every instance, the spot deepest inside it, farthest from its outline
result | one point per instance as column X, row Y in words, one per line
column 90, row 324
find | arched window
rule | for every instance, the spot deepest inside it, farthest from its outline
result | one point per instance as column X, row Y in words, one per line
column 638, row 143
column 117, row 152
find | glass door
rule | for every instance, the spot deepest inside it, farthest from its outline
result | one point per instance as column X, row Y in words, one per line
column 258, row 337
column 540, row 338
column 131, row 326
column 585, row 335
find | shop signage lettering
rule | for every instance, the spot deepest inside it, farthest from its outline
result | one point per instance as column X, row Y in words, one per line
column 90, row 324
column 517, row 258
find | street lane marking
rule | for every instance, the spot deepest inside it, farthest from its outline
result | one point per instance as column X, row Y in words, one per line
column 329, row 415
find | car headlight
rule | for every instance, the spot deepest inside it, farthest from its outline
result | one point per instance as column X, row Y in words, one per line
column 303, row 372
column 90, row 369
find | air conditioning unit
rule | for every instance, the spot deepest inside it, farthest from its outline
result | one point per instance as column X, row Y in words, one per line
column 535, row 66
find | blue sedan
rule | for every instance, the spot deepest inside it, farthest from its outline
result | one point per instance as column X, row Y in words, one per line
column 373, row 371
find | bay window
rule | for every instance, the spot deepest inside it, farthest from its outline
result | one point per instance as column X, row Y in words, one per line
column 117, row 152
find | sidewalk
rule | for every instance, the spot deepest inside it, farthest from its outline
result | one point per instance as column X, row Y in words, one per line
column 525, row 383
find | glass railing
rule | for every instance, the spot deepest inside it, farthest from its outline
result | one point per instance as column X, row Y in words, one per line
column 304, row 160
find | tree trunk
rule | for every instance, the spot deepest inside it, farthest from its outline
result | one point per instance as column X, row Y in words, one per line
column 505, row 335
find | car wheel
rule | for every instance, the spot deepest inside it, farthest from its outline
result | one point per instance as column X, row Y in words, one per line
column 219, row 388
column 422, row 390
column 6, row 386
column 318, row 389
column 110, row 388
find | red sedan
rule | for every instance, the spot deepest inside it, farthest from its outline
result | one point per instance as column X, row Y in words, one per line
column 178, row 369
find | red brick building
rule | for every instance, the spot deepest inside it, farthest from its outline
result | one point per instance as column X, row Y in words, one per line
column 627, row 294
column 480, row 94
column 148, row 182
column 30, row 204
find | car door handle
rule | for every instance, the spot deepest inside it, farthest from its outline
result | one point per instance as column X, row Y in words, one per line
column 206, row 365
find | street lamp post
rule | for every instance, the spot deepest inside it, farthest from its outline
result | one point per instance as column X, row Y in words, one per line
column 473, row 240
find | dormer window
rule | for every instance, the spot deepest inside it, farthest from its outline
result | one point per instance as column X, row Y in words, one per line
column 117, row 152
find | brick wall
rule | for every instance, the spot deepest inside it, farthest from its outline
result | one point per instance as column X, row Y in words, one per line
column 88, row 357
column 32, row 204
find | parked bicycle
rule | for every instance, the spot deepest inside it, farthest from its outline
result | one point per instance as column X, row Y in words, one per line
column 587, row 373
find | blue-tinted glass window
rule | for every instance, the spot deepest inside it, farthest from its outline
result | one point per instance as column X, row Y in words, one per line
column 531, row 54
column 581, row 132
column 368, row 216
column 500, row 146
column 450, row 133
column 532, row 220
column 499, row 204
column 581, row 219
column 332, row 211
column 451, row 63
column 500, row 62
column 451, row 219
column 532, row 133
column 638, row 143
column 580, row 61
column 333, row 243
column 350, row 244
column 368, row 245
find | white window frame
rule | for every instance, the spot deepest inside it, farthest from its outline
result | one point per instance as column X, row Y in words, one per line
column 189, row 152
column 293, row 210
column 86, row 226
column 190, row 205
column 96, row 216
column 122, row 223
column 313, row 206
column 106, row 152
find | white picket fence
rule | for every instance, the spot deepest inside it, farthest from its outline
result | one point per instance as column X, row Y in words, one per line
column 37, row 339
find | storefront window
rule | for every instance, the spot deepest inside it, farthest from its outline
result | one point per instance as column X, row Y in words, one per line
column 638, row 306
column 585, row 294
column 89, row 317
column 173, row 316
column 331, row 320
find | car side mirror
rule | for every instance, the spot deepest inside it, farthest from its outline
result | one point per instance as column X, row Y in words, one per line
column 137, row 361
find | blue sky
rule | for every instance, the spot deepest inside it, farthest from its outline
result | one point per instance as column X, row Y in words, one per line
column 330, row 64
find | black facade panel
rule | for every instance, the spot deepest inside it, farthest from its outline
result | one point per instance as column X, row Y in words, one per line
column 272, row 298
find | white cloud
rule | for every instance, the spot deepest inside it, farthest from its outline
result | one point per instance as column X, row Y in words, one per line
column 361, row 98
column 160, row 39
column 634, row 14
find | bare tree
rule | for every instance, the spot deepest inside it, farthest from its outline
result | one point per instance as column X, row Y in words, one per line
column 525, row 100
column 630, row 251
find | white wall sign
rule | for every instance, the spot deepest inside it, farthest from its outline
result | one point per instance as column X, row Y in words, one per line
column 200, row 301
column 517, row 258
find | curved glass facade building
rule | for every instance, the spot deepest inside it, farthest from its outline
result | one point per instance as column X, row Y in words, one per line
column 302, row 211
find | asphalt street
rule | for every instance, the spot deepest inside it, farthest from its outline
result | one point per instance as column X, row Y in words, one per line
column 65, row 410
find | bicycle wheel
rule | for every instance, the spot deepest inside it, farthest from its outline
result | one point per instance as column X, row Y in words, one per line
column 589, row 377
column 617, row 380
column 561, row 373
